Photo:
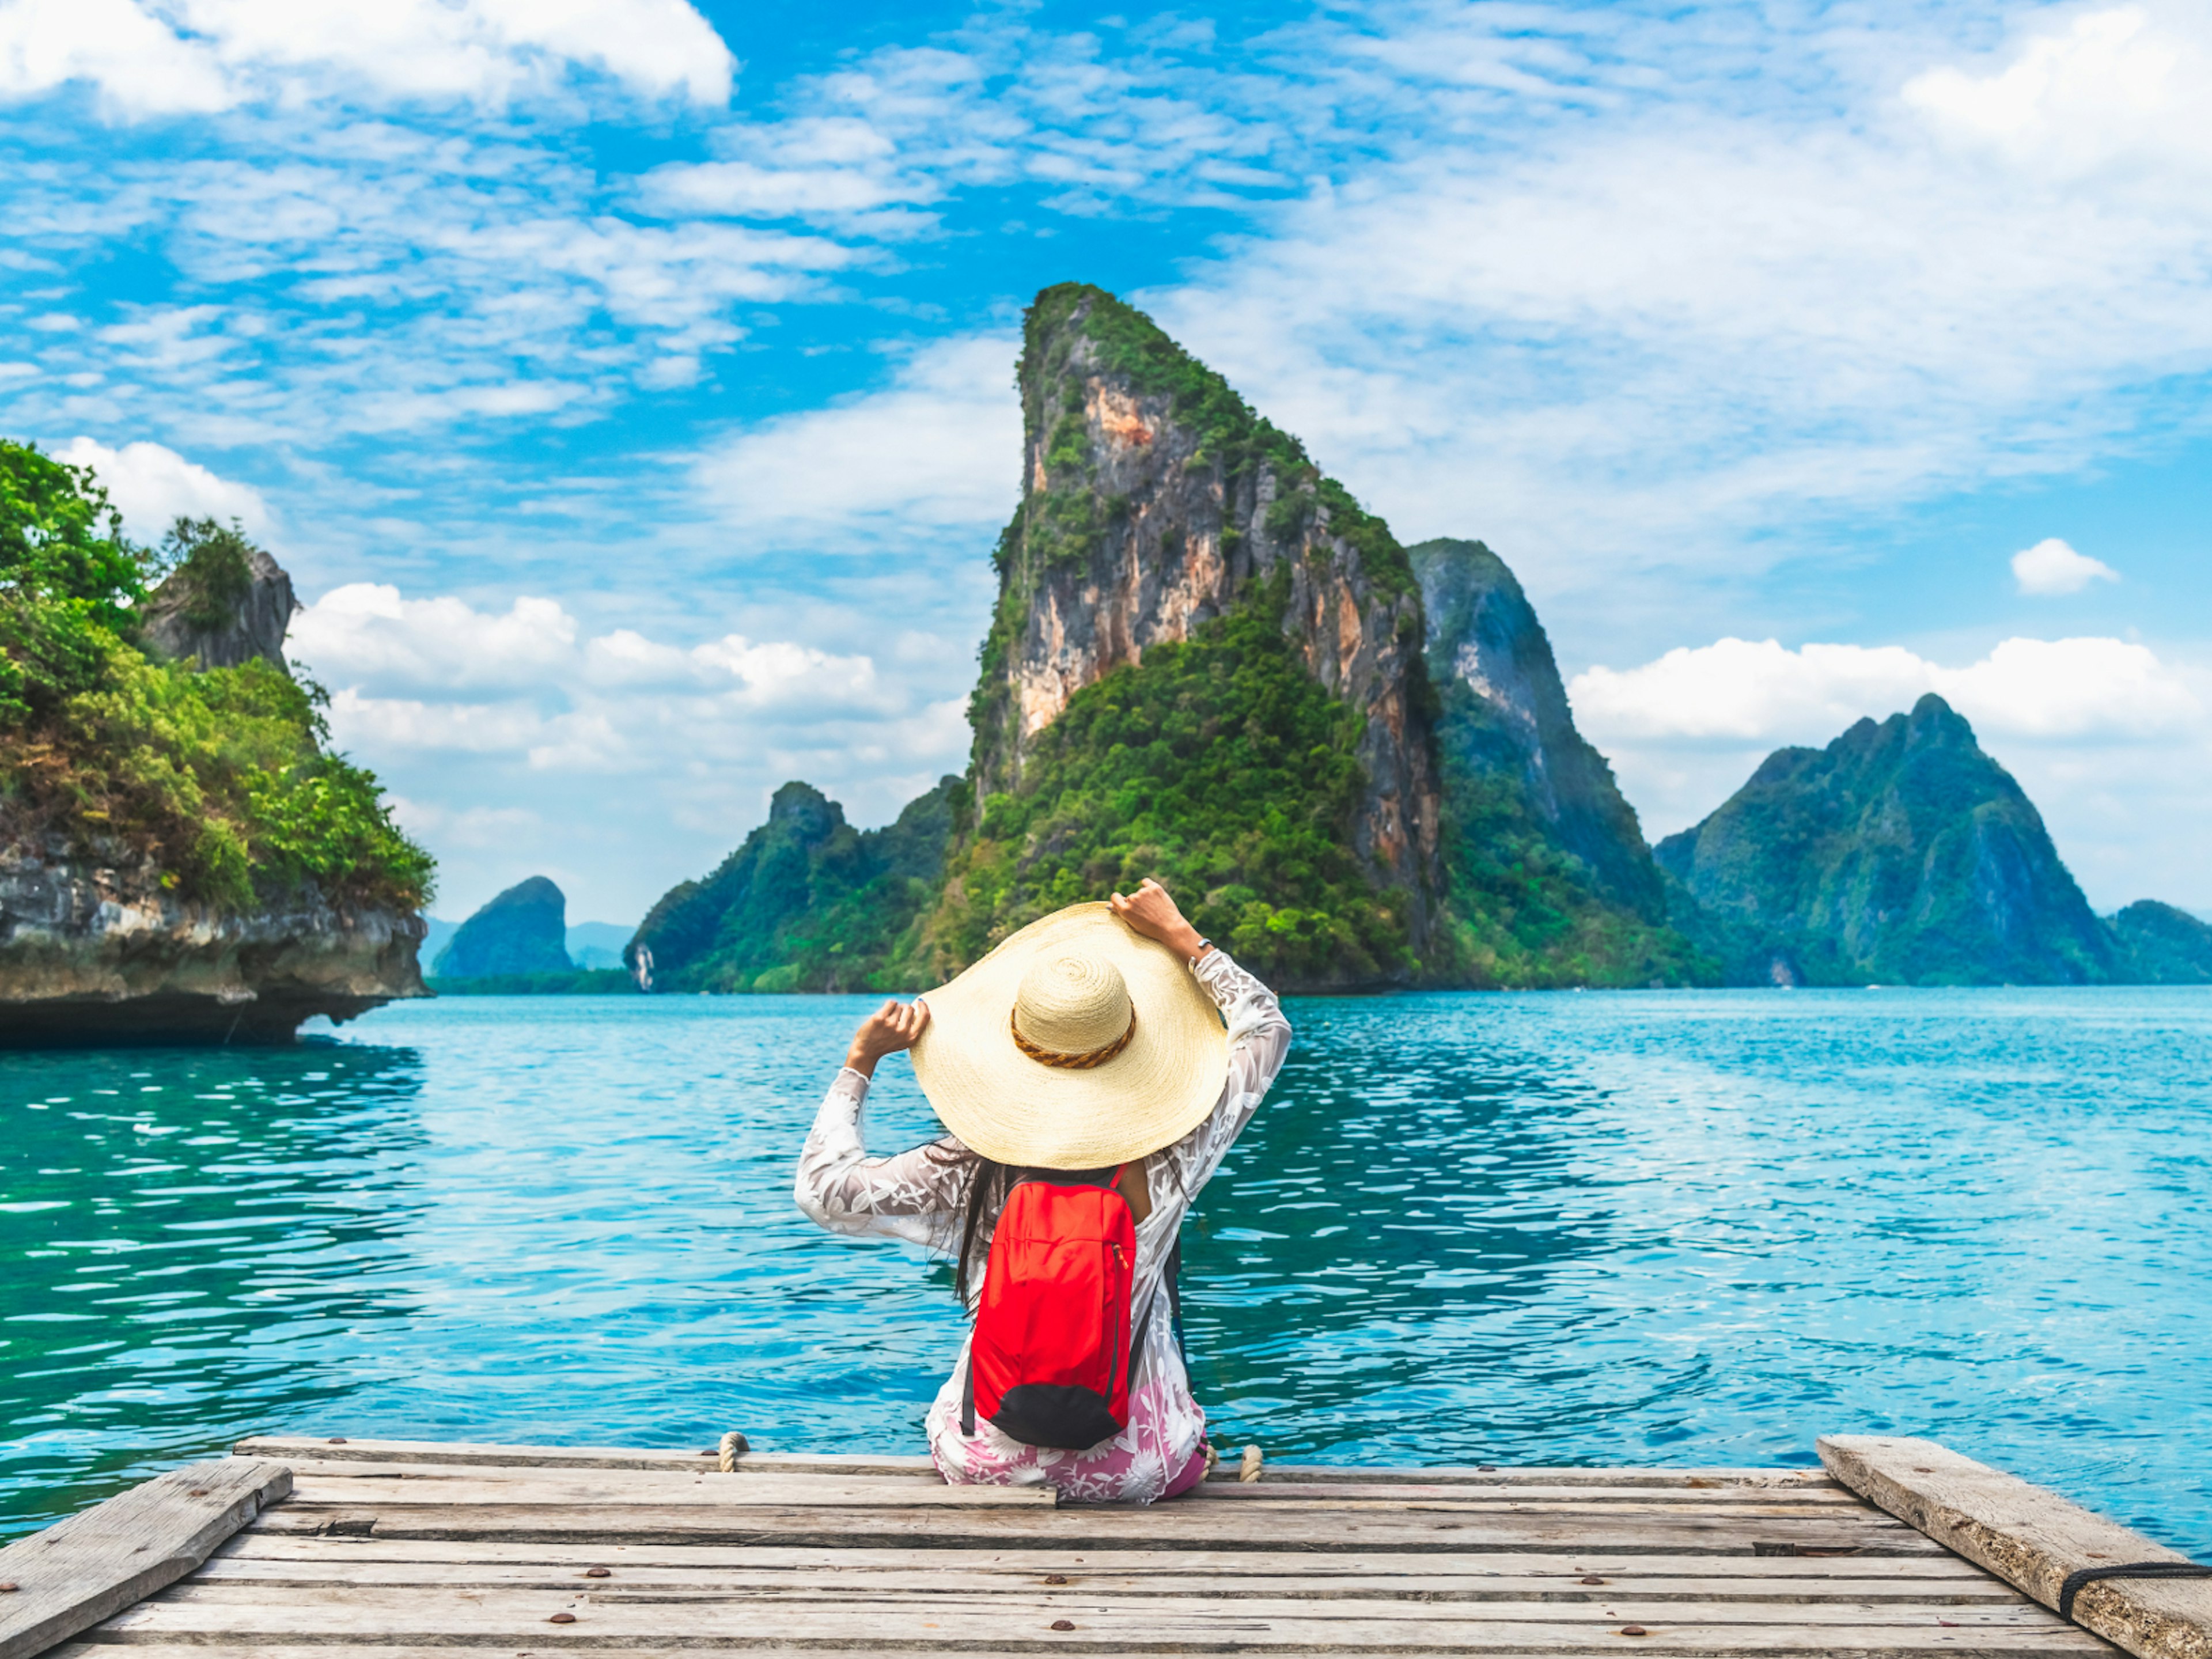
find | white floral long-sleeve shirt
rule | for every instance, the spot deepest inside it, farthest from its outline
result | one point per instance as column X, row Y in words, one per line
column 920, row 1196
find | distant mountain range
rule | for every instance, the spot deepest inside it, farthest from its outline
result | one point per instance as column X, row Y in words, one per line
column 1355, row 764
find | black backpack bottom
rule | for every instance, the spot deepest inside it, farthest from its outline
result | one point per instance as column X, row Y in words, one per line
column 1058, row 1416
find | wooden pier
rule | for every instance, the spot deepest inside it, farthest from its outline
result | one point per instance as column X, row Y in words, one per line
column 316, row 1549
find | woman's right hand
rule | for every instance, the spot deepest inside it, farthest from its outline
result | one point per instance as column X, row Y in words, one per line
column 1149, row 911
column 894, row 1026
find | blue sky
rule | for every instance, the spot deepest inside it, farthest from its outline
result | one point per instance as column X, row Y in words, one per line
column 628, row 385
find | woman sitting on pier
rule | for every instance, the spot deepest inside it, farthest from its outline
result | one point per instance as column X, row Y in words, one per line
column 1084, row 1057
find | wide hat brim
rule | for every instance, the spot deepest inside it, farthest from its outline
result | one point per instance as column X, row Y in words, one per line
column 1018, row 1111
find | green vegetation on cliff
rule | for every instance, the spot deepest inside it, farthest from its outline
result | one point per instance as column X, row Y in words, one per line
column 807, row 904
column 1550, row 883
column 1900, row 854
column 1219, row 765
column 2164, row 945
column 1068, row 510
column 220, row 779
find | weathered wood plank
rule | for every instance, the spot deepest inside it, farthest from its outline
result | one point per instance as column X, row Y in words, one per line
column 1276, row 1486
column 619, row 1488
column 348, row 1450
column 257, row 1603
column 81, row 1570
column 543, row 1645
column 1099, row 1528
column 824, row 1486
column 2031, row 1537
column 1438, row 1582
column 1936, row 1566
column 1006, row 1624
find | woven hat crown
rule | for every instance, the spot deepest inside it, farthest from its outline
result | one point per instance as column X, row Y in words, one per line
column 1071, row 1004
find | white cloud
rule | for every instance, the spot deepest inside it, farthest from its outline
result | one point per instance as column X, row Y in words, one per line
column 2111, row 742
column 153, row 486
column 1735, row 690
column 2053, row 567
column 366, row 633
column 668, row 751
column 140, row 64
column 197, row 56
column 941, row 447
column 2126, row 83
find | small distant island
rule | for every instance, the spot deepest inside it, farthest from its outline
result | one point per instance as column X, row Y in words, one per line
column 518, row 944
column 183, row 857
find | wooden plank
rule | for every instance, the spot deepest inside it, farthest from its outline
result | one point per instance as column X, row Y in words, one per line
column 2031, row 1538
column 826, row 1487
column 1438, row 1582
column 1540, row 1475
column 290, row 1448
column 627, row 1487
column 621, row 1488
column 1100, row 1528
column 257, row 1603
column 346, row 1448
column 1006, row 1624
column 1934, row 1567
column 81, row 1570
column 1801, row 1494
column 540, row 1644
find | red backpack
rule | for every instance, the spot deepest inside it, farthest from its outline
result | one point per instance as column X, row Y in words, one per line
column 1049, row 1364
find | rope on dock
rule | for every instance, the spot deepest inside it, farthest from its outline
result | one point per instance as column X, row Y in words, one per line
column 2081, row 1578
column 733, row 1447
column 1249, row 1470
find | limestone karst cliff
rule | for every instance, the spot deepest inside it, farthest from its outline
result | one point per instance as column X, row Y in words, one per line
column 1209, row 663
column 1900, row 854
column 524, row 930
column 182, row 856
column 805, row 904
column 1173, row 550
column 1550, row 881
column 225, row 603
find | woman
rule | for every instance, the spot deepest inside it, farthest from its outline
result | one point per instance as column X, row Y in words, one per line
column 1089, row 1040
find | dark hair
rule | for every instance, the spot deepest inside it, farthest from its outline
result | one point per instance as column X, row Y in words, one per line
column 986, row 1190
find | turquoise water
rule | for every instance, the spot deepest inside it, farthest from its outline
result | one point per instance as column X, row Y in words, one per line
column 1666, row 1227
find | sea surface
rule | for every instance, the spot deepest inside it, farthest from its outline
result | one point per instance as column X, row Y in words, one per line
column 1677, row 1228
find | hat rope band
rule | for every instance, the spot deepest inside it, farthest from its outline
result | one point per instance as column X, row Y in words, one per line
column 1076, row 1062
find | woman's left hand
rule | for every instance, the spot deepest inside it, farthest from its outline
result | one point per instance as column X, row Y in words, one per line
column 894, row 1026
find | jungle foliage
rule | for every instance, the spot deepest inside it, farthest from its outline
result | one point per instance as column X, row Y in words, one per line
column 221, row 780
column 807, row 902
column 1219, row 766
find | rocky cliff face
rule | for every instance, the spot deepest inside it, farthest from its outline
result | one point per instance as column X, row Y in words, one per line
column 1484, row 641
column 525, row 930
column 116, row 922
column 1551, row 881
column 246, row 616
column 1155, row 502
column 101, row 953
column 1898, row 854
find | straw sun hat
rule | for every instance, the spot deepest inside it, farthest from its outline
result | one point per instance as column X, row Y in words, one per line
column 1075, row 1045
